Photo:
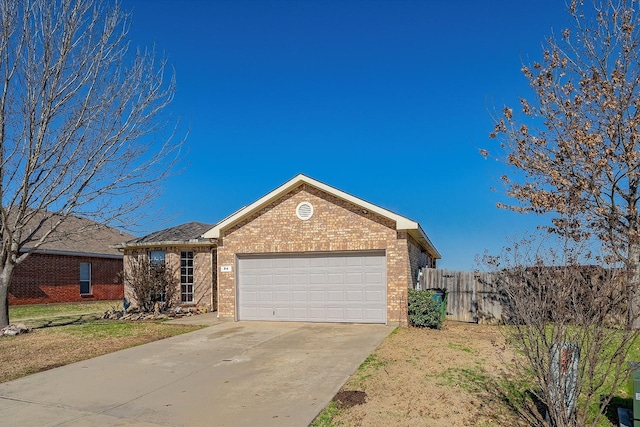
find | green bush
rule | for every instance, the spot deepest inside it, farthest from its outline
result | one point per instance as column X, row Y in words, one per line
column 425, row 311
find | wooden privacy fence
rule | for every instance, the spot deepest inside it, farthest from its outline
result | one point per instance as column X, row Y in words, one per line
column 472, row 297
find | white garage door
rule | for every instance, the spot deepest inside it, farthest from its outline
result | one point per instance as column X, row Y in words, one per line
column 313, row 288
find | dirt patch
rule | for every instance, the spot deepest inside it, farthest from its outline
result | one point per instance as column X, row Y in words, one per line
column 349, row 398
column 424, row 377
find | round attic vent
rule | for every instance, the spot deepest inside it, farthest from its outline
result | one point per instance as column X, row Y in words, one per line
column 304, row 210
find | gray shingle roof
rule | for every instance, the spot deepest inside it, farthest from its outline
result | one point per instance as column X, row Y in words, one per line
column 78, row 236
column 187, row 232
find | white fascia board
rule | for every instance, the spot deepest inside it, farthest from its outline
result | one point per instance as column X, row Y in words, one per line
column 402, row 223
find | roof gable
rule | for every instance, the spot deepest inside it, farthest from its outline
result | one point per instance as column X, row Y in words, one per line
column 401, row 222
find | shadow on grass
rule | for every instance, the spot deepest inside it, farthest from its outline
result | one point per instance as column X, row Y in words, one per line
column 515, row 396
column 612, row 408
column 62, row 321
column 521, row 399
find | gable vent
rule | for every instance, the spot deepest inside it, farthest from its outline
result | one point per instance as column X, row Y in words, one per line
column 304, row 210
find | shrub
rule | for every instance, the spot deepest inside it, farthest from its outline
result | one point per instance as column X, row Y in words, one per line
column 151, row 283
column 425, row 310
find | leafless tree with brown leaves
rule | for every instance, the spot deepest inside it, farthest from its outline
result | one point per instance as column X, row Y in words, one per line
column 565, row 314
column 575, row 145
column 82, row 125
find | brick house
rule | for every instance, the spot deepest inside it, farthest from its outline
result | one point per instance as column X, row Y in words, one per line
column 76, row 264
column 309, row 252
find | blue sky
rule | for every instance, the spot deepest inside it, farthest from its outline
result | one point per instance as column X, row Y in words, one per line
column 387, row 100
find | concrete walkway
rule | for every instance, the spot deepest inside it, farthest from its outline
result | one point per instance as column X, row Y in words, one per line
column 229, row 374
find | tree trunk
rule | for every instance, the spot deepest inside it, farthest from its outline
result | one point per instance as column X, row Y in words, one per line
column 633, row 286
column 5, row 280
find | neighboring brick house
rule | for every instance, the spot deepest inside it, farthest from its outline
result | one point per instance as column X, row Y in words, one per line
column 183, row 250
column 310, row 252
column 76, row 264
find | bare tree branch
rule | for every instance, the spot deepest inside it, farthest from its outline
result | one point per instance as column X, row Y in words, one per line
column 82, row 125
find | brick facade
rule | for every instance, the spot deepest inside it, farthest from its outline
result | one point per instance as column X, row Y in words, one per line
column 336, row 225
column 203, row 260
column 53, row 278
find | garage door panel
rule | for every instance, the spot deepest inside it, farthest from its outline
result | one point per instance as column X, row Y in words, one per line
column 318, row 295
column 297, row 262
column 353, row 296
column 265, row 295
column 313, row 287
column 335, row 278
column 335, row 314
column 281, row 279
column 335, row 295
column 317, row 313
column 265, row 279
column 316, row 278
column 372, row 278
column 299, row 296
column 250, row 296
column 355, row 278
column 298, row 279
column 282, row 296
column 334, row 262
column 250, row 279
column 374, row 296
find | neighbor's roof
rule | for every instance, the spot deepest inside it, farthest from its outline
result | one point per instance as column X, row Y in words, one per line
column 76, row 236
column 402, row 223
column 188, row 233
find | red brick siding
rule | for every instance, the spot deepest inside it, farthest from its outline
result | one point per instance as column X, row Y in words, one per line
column 50, row 278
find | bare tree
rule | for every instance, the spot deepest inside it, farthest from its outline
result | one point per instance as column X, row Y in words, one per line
column 150, row 283
column 566, row 316
column 575, row 146
column 81, row 116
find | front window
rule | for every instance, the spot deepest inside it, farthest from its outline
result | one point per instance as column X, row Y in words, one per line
column 156, row 258
column 157, row 269
column 85, row 278
column 186, row 276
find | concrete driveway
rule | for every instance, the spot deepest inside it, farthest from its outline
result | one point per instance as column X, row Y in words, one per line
column 229, row 374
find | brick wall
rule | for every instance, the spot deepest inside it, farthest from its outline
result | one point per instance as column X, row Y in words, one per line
column 202, row 263
column 51, row 278
column 336, row 225
column 418, row 258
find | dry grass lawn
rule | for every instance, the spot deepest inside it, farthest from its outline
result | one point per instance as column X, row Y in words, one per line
column 425, row 377
column 81, row 336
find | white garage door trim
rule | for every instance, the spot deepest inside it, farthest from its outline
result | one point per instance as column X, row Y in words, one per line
column 346, row 287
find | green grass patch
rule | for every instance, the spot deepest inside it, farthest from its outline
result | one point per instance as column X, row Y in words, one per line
column 44, row 315
column 372, row 361
column 460, row 347
column 472, row 379
column 326, row 417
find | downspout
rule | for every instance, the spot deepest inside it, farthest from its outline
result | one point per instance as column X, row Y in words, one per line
column 217, row 287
